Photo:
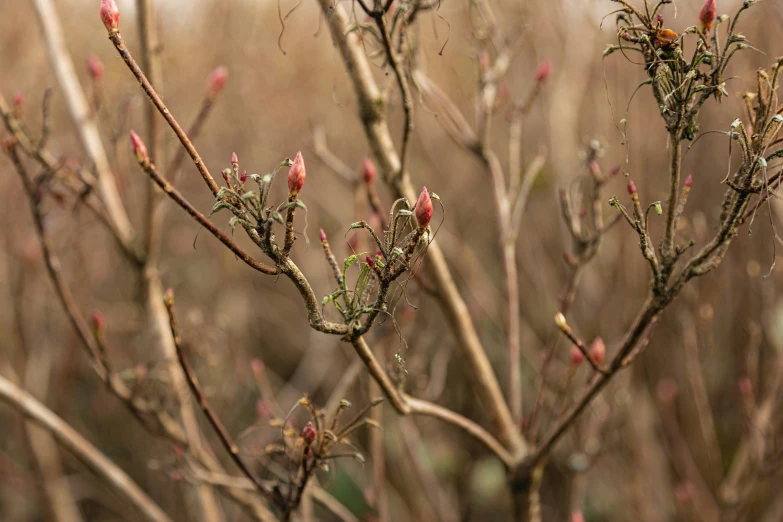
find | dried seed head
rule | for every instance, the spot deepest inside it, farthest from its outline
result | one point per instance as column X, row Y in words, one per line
column 707, row 14
column 216, row 80
column 308, row 433
column 138, row 147
column 95, row 68
column 631, row 187
column 688, row 181
column 576, row 356
column 598, row 351
column 322, row 235
column 424, row 209
column 368, row 172
column 110, row 15
column 543, row 71
column 296, row 175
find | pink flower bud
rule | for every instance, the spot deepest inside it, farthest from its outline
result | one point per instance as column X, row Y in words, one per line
column 543, row 71
column 707, row 14
column 308, row 433
column 659, row 19
column 745, row 386
column 296, row 175
column 615, row 171
column 138, row 147
column 225, row 173
column 576, row 356
column 666, row 390
column 262, row 408
column 424, row 209
column 631, row 187
column 216, row 80
column 368, row 172
column 98, row 322
column 257, row 365
column 688, row 181
column 625, row 36
column 95, row 68
column 598, row 351
column 577, row 516
column 560, row 321
column 322, row 235
column 110, row 14
column 370, row 261
column 595, row 169
column 243, row 176
column 484, row 61
column 19, row 100
column 234, row 159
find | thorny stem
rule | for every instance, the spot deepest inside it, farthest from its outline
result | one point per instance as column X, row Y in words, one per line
column 119, row 44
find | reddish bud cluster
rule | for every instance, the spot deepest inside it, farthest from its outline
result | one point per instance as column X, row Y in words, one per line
column 543, row 71
column 110, row 14
column 368, row 172
column 95, row 68
column 138, row 147
column 424, row 209
column 216, row 80
column 296, row 175
column 308, row 433
column 707, row 14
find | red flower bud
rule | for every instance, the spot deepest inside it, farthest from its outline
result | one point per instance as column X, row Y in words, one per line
column 138, row 147
column 576, row 356
column 368, row 172
column 234, row 159
column 631, row 187
column 370, row 261
column 98, row 322
column 216, row 80
column 19, row 100
column 296, row 175
column 95, row 68
column 322, row 235
column 243, row 176
column 308, row 433
column 659, row 18
column 688, row 181
column 110, row 14
column 598, row 351
column 225, row 176
column 424, row 208
column 707, row 14
column 543, row 71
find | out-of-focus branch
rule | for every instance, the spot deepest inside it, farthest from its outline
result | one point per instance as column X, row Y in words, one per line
column 377, row 131
column 82, row 448
column 150, row 62
column 80, row 113
column 221, row 431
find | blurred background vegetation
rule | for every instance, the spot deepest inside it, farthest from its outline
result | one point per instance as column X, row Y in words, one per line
column 732, row 319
